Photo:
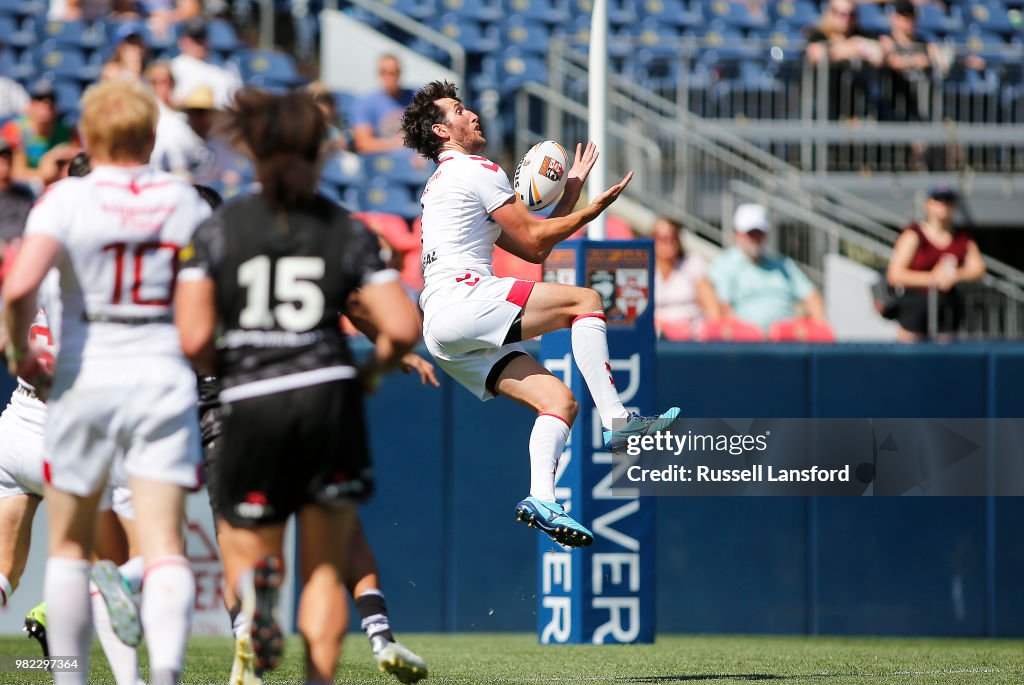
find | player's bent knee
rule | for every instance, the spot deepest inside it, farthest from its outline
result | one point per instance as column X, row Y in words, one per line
column 563, row 405
column 589, row 301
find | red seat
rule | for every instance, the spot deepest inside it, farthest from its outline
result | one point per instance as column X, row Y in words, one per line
column 801, row 330
column 614, row 229
column 674, row 329
column 734, row 330
column 395, row 230
column 507, row 264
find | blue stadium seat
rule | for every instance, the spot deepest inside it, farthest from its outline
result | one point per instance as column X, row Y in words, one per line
column 342, row 176
column 380, row 195
column 512, row 68
column 620, row 12
column 548, row 12
column 68, row 94
column 525, row 33
column 221, row 37
column 932, row 18
column 467, row 32
column 22, row 8
column 483, row 11
column 989, row 15
column 659, row 72
column 673, row 13
column 400, row 167
column 800, row 13
column 656, row 36
column 736, row 13
column 76, row 34
column 343, row 103
column 55, row 62
column 989, row 45
column 577, row 33
column 267, row 69
column 420, row 10
column 720, row 41
column 872, row 18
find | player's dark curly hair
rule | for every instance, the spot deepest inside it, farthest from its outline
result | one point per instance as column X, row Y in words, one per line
column 284, row 134
column 422, row 114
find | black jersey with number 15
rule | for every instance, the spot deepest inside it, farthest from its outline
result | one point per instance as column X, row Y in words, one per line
column 282, row 278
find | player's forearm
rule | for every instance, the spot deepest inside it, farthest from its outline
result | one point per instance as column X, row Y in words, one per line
column 570, row 196
column 551, row 231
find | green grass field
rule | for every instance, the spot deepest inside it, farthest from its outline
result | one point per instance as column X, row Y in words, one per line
column 510, row 659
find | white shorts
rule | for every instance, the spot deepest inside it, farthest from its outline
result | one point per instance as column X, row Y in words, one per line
column 464, row 333
column 21, row 457
column 117, row 496
column 143, row 414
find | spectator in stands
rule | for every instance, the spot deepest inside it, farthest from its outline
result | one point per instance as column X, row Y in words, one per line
column 683, row 295
column 36, row 132
column 756, row 286
column 13, row 97
column 850, row 54
column 219, row 163
column 163, row 14
column 909, row 62
column 15, row 200
column 178, row 148
column 192, row 68
column 129, row 58
column 933, row 254
column 377, row 117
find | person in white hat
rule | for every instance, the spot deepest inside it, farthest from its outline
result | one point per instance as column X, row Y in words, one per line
column 755, row 285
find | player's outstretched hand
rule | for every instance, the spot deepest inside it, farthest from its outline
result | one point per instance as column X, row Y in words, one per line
column 413, row 362
column 582, row 163
column 605, row 199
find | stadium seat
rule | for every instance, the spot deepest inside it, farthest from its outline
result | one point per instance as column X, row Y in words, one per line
column 420, row 10
column 654, row 36
column 736, row 13
column 77, row 34
column 672, row 13
column 221, row 37
column 798, row 13
column 343, row 174
column 400, row 166
column 467, row 32
column 63, row 62
column 512, row 68
column 483, row 11
column 729, row 329
column 990, row 15
column 396, row 231
column 267, row 68
column 380, row 195
column 549, row 12
column 674, row 330
column 615, row 228
column 620, row 12
column 932, row 18
column 723, row 42
column 68, row 95
column 507, row 265
column 526, row 34
column 801, row 330
column 872, row 18
column 659, row 73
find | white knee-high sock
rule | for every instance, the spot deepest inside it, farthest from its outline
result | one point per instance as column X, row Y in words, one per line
column 547, row 440
column 124, row 660
column 69, row 615
column 5, row 590
column 132, row 572
column 168, row 593
column 590, row 350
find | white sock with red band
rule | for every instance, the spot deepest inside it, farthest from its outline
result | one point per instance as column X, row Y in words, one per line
column 168, row 593
column 547, row 440
column 590, row 350
column 68, row 615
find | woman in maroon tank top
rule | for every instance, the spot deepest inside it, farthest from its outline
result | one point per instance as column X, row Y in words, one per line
column 932, row 254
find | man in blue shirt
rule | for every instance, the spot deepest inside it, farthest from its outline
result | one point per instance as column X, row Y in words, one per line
column 377, row 117
column 758, row 287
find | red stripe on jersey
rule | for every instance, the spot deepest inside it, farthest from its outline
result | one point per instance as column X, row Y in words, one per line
column 544, row 413
column 47, row 473
column 588, row 315
column 520, row 293
column 133, row 187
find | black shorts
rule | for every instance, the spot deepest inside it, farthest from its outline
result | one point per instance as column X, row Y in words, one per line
column 913, row 311
column 279, row 453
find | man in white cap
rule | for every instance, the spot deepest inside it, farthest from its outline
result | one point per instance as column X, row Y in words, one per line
column 756, row 286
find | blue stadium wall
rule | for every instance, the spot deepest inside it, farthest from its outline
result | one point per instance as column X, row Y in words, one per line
column 450, row 469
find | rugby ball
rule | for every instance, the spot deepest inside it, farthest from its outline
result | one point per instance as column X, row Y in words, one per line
column 541, row 175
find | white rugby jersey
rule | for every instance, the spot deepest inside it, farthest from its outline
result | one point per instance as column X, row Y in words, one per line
column 25, row 406
column 121, row 229
column 458, row 232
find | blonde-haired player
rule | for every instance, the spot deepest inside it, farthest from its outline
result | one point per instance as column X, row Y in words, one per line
column 122, row 389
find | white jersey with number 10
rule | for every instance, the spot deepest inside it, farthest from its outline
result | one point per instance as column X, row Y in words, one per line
column 122, row 229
